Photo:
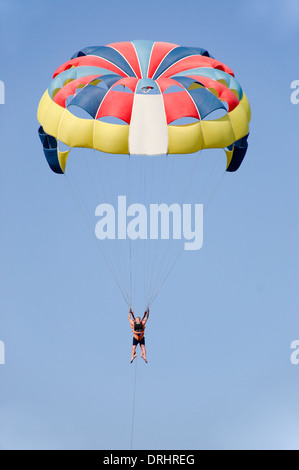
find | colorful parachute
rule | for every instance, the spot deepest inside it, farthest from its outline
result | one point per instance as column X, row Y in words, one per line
column 148, row 87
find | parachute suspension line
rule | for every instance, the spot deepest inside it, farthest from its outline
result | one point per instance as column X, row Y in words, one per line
column 98, row 169
column 172, row 265
column 168, row 258
column 192, row 173
column 139, row 273
column 186, row 189
column 166, row 183
column 130, row 241
column 154, row 296
column 133, row 405
column 116, row 252
column 144, row 243
column 96, row 188
column 148, row 243
column 163, row 190
column 113, row 254
column 161, row 277
column 119, row 253
column 82, row 204
column 93, row 183
column 103, row 252
column 148, row 194
column 150, row 258
column 215, row 190
column 83, row 211
column 206, row 184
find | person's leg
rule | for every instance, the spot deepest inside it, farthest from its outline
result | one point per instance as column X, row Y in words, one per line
column 143, row 352
column 134, row 354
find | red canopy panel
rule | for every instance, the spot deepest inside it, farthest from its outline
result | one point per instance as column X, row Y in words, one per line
column 128, row 51
column 129, row 82
column 159, row 51
column 117, row 104
column 179, row 105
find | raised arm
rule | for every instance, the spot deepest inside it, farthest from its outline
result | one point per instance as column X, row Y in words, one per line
column 131, row 314
column 145, row 316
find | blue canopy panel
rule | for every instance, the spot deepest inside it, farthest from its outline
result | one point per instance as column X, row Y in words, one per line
column 143, row 50
column 50, row 150
column 109, row 79
column 89, row 99
column 239, row 151
column 205, row 101
column 110, row 54
column 177, row 54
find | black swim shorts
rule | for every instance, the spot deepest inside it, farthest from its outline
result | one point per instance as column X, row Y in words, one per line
column 138, row 341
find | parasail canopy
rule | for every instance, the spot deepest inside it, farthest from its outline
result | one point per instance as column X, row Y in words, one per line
column 134, row 96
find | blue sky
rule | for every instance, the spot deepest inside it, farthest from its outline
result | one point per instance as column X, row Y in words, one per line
column 219, row 373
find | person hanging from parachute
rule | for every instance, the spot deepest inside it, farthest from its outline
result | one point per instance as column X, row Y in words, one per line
column 149, row 87
column 138, row 327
